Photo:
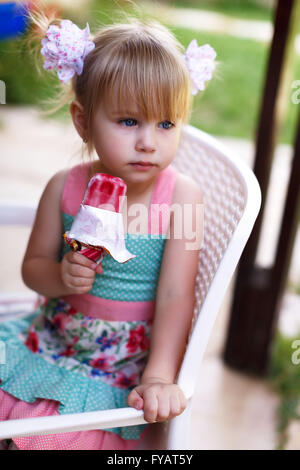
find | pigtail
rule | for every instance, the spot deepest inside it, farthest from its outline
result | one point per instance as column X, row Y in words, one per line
column 40, row 18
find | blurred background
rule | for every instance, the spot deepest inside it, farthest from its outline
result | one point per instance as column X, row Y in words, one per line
column 234, row 409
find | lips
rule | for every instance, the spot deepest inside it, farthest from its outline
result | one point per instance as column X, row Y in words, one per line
column 143, row 163
column 142, row 166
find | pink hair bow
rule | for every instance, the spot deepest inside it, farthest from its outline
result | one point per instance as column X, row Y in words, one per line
column 65, row 48
column 200, row 64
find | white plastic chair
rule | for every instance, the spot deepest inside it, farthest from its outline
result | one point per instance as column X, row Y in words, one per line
column 232, row 201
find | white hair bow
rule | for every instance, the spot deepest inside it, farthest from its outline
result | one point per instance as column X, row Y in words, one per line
column 65, row 48
column 200, row 62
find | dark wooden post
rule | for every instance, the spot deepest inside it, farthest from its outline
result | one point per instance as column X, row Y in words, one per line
column 258, row 291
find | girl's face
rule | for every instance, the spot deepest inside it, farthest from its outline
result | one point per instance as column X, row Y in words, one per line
column 132, row 148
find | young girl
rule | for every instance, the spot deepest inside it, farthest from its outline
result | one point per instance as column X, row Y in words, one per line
column 88, row 346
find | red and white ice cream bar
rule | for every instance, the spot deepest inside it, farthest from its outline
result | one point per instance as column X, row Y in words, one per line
column 98, row 226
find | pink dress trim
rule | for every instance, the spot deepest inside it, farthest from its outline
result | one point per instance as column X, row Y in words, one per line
column 159, row 210
column 75, row 185
column 106, row 309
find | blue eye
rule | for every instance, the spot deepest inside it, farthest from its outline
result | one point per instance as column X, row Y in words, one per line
column 128, row 122
column 166, row 124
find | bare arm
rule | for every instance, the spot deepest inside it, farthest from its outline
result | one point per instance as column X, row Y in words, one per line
column 158, row 395
column 41, row 269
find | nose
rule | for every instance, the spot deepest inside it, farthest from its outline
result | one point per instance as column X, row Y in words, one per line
column 146, row 139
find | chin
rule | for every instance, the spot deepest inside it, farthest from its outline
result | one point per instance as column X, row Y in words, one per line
column 143, row 175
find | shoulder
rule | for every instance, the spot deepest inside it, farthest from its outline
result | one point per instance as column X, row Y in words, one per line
column 57, row 181
column 187, row 190
column 75, row 173
column 54, row 188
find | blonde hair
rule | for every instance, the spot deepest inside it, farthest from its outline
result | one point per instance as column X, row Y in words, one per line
column 137, row 62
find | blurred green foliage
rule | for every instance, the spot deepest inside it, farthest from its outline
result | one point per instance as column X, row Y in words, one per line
column 284, row 378
column 23, row 84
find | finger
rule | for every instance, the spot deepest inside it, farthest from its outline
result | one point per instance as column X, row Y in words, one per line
column 90, row 265
column 175, row 405
column 77, row 258
column 99, row 269
column 135, row 400
column 163, row 411
column 182, row 401
column 81, row 271
column 78, row 281
column 81, row 290
column 150, row 406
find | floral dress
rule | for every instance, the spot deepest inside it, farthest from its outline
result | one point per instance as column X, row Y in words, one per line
column 86, row 352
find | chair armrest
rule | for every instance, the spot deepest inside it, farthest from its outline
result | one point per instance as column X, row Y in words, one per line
column 17, row 213
column 71, row 422
column 17, row 304
column 106, row 419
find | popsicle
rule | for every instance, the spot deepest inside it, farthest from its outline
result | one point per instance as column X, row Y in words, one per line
column 106, row 192
column 98, row 226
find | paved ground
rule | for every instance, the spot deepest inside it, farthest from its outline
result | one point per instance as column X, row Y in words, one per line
column 228, row 405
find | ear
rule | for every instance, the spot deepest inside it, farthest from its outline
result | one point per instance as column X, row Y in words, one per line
column 76, row 110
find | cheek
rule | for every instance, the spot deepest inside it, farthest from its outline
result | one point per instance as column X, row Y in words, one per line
column 111, row 149
column 172, row 144
column 176, row 141
column 103, row 137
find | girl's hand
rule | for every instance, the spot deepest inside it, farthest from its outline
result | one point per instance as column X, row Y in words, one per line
column 160, row 401
column 78, row 272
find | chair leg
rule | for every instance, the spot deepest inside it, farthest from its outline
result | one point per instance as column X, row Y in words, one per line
column 179, row 432
column 12, row 446
column 155, row 437
column 4, row 444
